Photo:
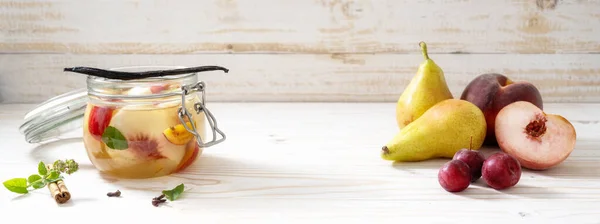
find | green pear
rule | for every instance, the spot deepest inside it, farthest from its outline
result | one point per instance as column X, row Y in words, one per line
column 427, row 88
column 440, row 132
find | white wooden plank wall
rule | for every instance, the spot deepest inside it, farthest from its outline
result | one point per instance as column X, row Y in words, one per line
column 301, row 50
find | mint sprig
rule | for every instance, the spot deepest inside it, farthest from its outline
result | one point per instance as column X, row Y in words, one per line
column 42, row 178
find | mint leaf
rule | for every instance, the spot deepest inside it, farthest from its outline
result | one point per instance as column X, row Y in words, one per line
column 54, row 179
column 173, row 194
column 39, row 184
column 114, row 139
column 53, row 175
column 36, row 181
column 42, row 169
column 33, row 178
column 17, row 185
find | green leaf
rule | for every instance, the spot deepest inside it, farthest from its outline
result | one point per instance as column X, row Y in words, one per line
column 33, row 178
column 52, row 180
column 39, row 184
column 36, row 181
column 42, row 169
column 114, row 139
column 173, row 194
column 53, row 175
column 17, row 185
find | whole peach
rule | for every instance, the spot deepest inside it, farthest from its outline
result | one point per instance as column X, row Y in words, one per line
column 492, row 91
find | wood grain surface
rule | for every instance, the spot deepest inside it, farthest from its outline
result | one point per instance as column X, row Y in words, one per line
column 311, row 163
column 312, row 77
column 322, row 50
column 299, row 26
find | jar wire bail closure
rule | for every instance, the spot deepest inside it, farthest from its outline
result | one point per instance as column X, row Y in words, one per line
column 199, row 107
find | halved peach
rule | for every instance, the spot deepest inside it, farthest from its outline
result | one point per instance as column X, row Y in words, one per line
column 538, row 140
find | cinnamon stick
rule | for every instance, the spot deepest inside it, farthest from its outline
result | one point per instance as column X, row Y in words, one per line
column 58, row 190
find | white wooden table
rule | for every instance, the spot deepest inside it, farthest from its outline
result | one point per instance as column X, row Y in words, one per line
column 305, row 163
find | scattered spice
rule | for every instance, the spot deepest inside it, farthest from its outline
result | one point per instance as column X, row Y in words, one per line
column 140, row 75
column 114, row 194
column 158, row 200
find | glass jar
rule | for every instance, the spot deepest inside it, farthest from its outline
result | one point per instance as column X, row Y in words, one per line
column 138, row 128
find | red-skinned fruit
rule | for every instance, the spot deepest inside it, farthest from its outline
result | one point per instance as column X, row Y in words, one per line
column 454, row 176
column 474, row 159
column 99, row 119
column 538, row 140
column 501, row 171
column 158, row 88
column 189, row 158
column 492, row 92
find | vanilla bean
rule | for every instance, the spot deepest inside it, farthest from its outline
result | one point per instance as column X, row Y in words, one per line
column 121, row 75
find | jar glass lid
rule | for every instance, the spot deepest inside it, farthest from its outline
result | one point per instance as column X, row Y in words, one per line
column 55, row 116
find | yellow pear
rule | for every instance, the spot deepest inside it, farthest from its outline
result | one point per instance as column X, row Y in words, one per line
column 443, row 130
column 425, row 89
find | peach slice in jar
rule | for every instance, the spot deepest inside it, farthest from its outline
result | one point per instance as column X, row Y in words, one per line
column 178, row 134
column 99, row 119
column 143, row 126
column 191, row 153
column 159, row 88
